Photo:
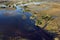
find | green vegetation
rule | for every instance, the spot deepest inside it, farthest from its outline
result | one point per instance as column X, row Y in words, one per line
column 46, row 19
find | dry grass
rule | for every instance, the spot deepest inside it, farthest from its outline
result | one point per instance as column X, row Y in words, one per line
column 50, row 9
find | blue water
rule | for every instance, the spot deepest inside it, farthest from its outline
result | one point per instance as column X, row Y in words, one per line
column 14, row 21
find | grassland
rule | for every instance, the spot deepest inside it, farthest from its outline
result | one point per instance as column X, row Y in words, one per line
column 48, row 8
column 52, row 9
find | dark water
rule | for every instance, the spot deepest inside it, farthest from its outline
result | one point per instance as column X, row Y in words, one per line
column 12, row 20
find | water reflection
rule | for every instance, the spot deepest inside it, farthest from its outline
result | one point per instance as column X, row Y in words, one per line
column 18, row 10
column 10, row 18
